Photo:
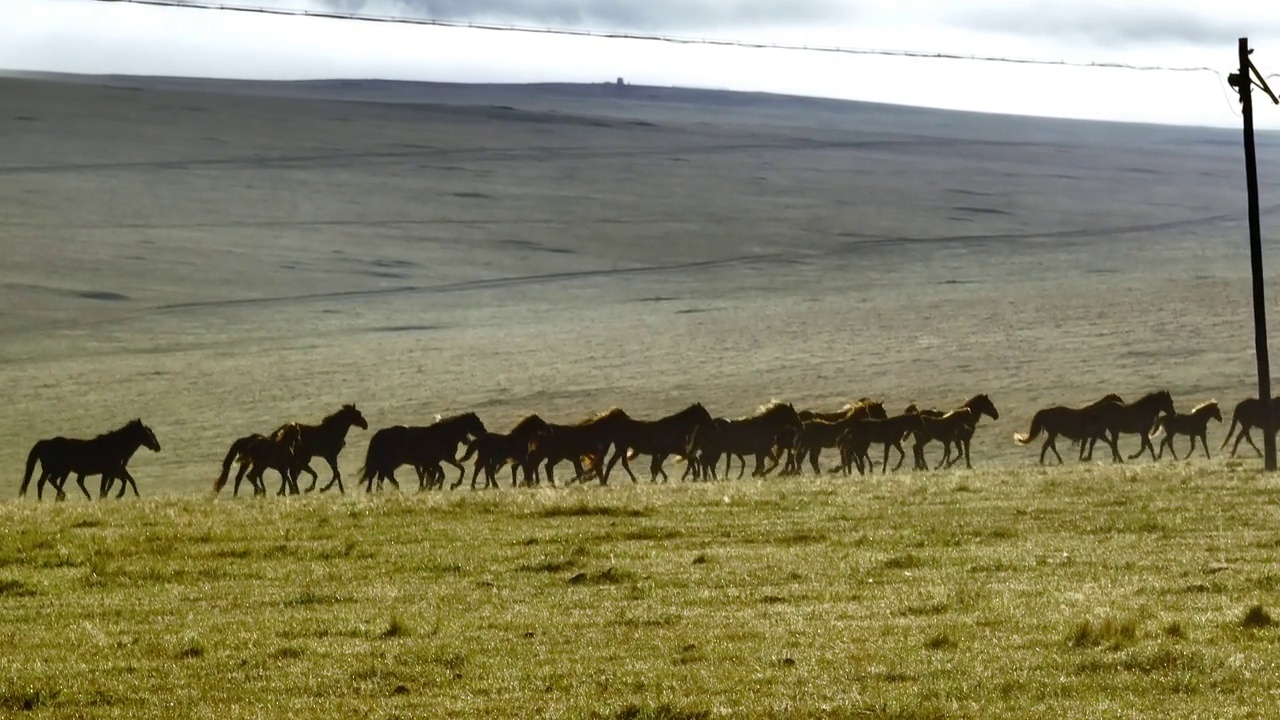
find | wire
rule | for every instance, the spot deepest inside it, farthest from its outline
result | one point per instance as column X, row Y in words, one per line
column 660, row 38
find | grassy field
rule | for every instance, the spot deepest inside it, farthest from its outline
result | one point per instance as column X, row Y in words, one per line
column 1094, row 591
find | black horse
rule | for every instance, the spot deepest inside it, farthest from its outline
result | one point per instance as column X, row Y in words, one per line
column 423, row 447
column 326, row 440
column 107, row 455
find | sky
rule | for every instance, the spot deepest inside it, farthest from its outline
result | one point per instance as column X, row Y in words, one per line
column 84, row 36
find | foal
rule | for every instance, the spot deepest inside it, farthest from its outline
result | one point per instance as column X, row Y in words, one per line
column 1194, row 424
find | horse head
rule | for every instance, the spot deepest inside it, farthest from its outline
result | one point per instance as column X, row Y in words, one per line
column 982, row 405
column 875, row 409
column 350, row 415
column 472, row 424
column 146, row 438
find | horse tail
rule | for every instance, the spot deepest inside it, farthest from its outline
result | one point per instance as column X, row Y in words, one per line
column 32, row 458
column 237, row 447
column 1037, row 424
column 1158, row 428
column 1235, row 418
column 372, row 458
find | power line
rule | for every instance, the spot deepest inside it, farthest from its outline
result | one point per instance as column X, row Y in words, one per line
column 655, row 37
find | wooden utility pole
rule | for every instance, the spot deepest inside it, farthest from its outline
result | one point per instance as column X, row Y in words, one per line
column 1243, row 82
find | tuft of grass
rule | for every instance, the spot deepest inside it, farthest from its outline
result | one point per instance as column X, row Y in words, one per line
column 940, row 641
column 660, row 712
column 700, row 559
column 288, row 652
column 1175, row 630
column 550, row 566
column 28, row 699
column 1109, row 632
column 609, row 576
column 191, row 650
column 395, row 628
column 586, row 509
column 1256, row 618
column 903, row 561
column 10, row 587
column 311, row 597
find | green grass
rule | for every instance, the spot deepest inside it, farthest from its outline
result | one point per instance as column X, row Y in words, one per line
column 1086, row 592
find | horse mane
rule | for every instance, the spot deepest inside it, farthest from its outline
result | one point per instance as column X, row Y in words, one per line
column 451, row 419
column 528, row 422
column 863, row 402
column 111, row 434
column 1204, row 405
column 611, row 412
column 769, row 408
column 348, row 408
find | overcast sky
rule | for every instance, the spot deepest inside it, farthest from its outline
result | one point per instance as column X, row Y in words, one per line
column 96, row 37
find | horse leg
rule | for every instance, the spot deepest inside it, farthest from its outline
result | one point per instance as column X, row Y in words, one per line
column 83, row 489
column 337, row 476
column 127, row 481
column 1204, row 443
column 1248, row 437
column 902, row 454
column 306, row 468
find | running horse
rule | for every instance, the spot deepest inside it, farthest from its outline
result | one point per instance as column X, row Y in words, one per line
column 494, row 450
column 1194, row 424
column 856, row 441
column 326, row 439
column 820, row 430
column 107, row 455
column 589, row 439
column 756, row 434
column 424, row 447
column 953, row 428
column 1248, row 415
column 258, row 453
column 1077, row 424
column 657, row 438
column 1137, row 417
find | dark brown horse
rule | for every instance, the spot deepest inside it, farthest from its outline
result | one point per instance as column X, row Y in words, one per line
column 823, row 430
column 705, row 450
column 259, row 453
column 106, row 455
column 494, row 450
column 1076, row 424
column 326, row 440
column 1137, row 417
column 856, row 441
column 953, row 428
column 1248, row 415
column 588, row 439
column 658, row 439
column 422, row 447
column 1194, row 424
column 755, row 434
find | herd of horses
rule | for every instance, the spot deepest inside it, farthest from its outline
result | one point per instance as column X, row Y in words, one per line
column 776, row 435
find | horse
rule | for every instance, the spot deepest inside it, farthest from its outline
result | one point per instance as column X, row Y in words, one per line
column 422, row 447
column 258, row 453
column 494, row 450
column 1077, row 424
column 956, row 427
column 656, row 438
column 703, row 452
column 326, row 440
column 107, row 454
column 590, row 438
column 822, row 430
column 755, row 434
column 855, row 442
column 1137, row 418
column 1195, row 424
column 1248, row 414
